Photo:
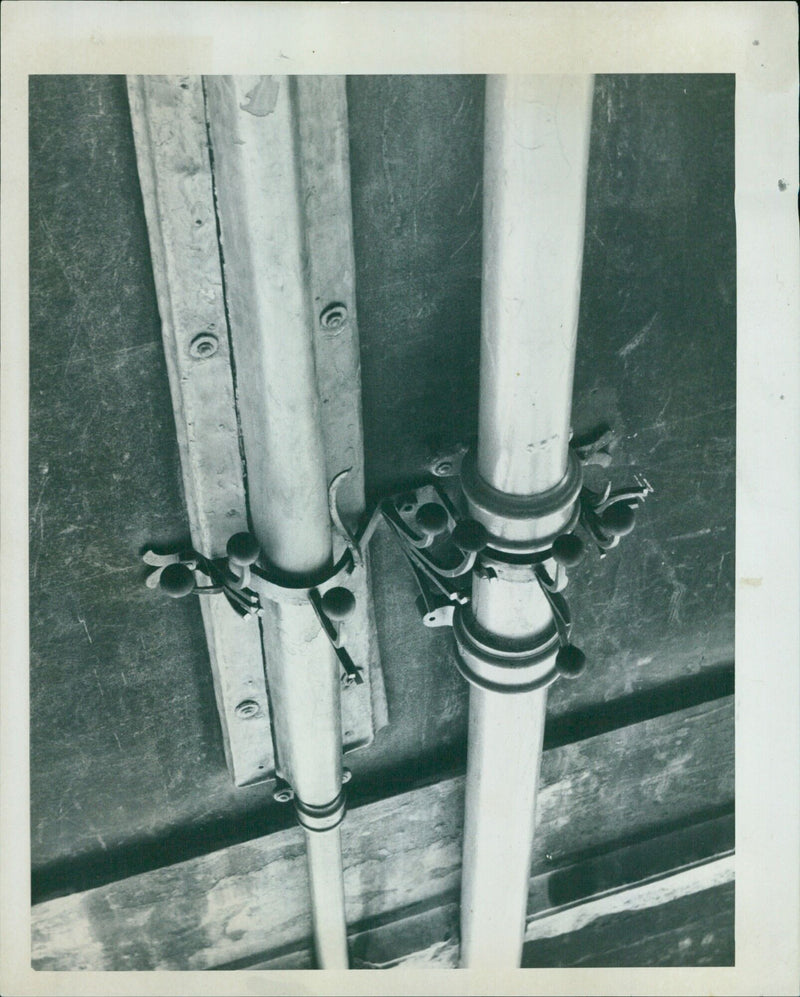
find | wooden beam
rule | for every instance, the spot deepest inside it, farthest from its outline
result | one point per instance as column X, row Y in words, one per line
column 606, row 934
column 169, row 128
column 562, row 901
column 250, row 900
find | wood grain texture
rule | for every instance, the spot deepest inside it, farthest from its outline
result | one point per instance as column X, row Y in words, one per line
column 604, row 931
column 168, row 118
column 563, row 902
column 398, row 852
column 690, row 930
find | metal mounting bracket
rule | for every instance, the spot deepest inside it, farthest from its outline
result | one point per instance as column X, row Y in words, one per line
column 444, row 545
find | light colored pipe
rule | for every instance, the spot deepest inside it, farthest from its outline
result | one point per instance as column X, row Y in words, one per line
column 505, row 745
column 536, row 159
column 254, row 134
column 326, row 880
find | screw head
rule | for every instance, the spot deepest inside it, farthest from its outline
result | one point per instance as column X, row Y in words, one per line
column 338, row 603
column 243, row 549
column 204, row 346
column 333, row 316
column 176, row 581
column 431, row 519
column 283, row 794
column 247, row 708
column 347, row 775
column 570, row 661
column 618, row 519
column 568, row 550
column 443, row 468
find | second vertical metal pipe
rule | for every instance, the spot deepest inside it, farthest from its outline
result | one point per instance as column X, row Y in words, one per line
column 521, row 483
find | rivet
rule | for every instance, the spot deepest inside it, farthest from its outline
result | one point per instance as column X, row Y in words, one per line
column 204, row 346
column 247, row 708
column 333, row 316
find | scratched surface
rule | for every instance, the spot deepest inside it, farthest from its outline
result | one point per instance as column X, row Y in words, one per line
column 656, row 347
column 126, row 747
column 127, row 764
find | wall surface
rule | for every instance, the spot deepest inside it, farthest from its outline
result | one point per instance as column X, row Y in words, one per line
column 127, row 765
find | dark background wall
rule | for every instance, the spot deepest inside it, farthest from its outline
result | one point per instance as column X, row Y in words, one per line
column 126, row 757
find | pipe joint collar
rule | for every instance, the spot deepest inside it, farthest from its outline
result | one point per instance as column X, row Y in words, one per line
column 323, row 818
column 501, row 664
column 523, row 524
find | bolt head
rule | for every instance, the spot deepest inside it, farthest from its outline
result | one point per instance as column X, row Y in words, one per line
column 470, row 535
column 618, row 519
column 431, row 519
column 407, row 502
column 338, row 603
column 568, row 550
column 333, row 316
column 176, row 581
column 243, row 549
column 570, row 661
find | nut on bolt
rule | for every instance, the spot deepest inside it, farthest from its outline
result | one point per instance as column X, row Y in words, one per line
column 283, row 792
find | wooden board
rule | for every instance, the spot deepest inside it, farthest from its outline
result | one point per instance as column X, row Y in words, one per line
column 176, row 173
column 563, row 902
column 692, row 930
column 670, row 926
column 168, row 116
column 398, row 852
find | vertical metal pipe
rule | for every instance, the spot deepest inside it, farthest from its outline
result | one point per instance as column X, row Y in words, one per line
column 505, row 745
column 326, row 881
column 536, row 158
column 254, row 133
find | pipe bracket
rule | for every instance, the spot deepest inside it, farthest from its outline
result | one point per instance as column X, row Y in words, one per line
column 523, row 524
column 501, row 664
column 332, row 601
column 440, row 545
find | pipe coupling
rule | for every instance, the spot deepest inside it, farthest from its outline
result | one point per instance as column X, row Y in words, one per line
column 323, row 818
column 504, row 664
column 523, row 524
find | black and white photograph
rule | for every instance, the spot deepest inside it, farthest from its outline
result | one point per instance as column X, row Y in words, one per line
column 401, row 587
